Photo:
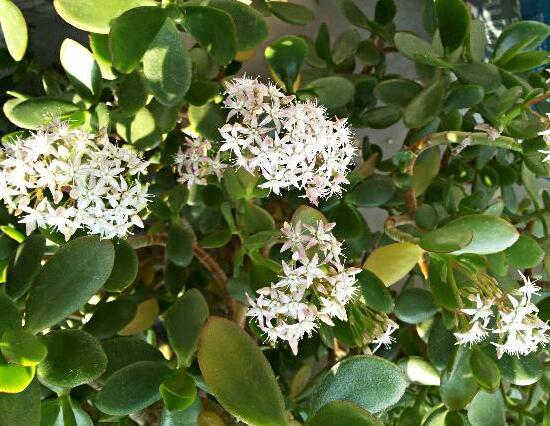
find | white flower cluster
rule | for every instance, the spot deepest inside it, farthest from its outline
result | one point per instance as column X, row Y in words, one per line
column 195, row 163
column 521, row 331
column 68, row 179
column 293, row 144
column 315, row 286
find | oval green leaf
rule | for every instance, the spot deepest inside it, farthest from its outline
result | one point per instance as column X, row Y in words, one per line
column 33, row 113
column 95, row 16
column 125, row 268
column 491, row 234
column 74, row 358
column 22, row 348
column 415, row 305
column 368, row 381
column 343, row 413
column 110, row 318
column 132, row 388
column 393, row 262
column 179, row 247
column 167, row 65
column 68, row 280
column 425, row 106
column 14, row 29
column 228, row 359
column 81, row 69
column 214, row 30
column 25, row 266
column 183, row 322
column 131, row 35
column 21, row 409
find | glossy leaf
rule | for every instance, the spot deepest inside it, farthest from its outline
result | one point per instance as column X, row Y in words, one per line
column 368, row 381
column 415, row 48
column 285, row 57
column 125, row 268
column 415, row 305
column 110, row 318
column 214, row 30
column 485, row 370
column 249, row 23
column 480, row 73
column 521, row 371
column 382, row 117
column 33, row 113
column 146, row 315
column 124, row 351
column 75, row 272
column 291, row 12
column 178, row 391
column 74, row 358
column 426, row 168
column 132, row 388
column 228, row 359
column 95, row 15
column 167, row 65
column 458, row 385
column 21, row 409
column 10, row 317
column 426, row 105
column 342, row 413
column 345, row 46
column 491, row 234
column 332, row 92
column 15, row 378
column 374, row 191
column 397, row 91
column 419, row 371
column 464, row 96
column 442, row 241
column 81, row 69
column 525, row 253
column 183, row 322
column 14, row 29
column 393, row 262
column 453, row 22
column 22, row 348
column 519, row 31
column 374, row 292
column 25, row 265
column 487, row 409
column 179, row 247
column 143, row 24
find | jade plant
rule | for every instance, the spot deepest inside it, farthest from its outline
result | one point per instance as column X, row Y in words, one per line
column 183, row 243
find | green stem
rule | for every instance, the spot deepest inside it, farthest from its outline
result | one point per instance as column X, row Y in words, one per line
column 452, row 137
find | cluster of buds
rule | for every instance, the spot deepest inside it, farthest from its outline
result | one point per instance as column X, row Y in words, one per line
column 69, row 179
column 292, row 144
column 519, row 329
column 371, row 327
column 315, row 286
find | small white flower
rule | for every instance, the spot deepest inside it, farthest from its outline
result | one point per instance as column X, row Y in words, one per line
column 386, row 338
column 475, row 334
